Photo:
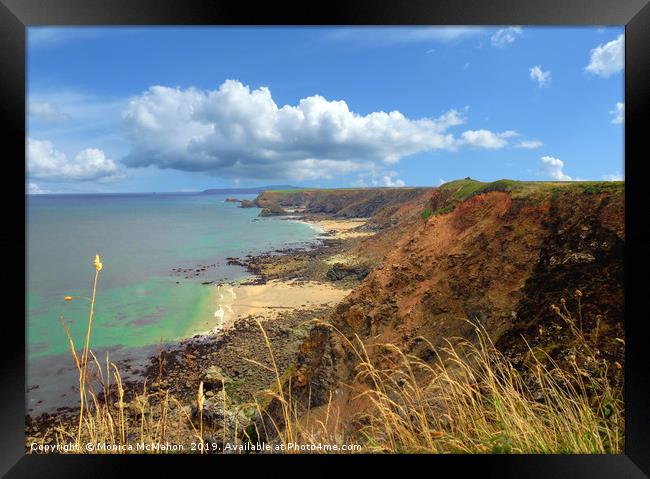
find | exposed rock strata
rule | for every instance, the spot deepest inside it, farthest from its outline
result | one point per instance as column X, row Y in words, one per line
column 497, row 259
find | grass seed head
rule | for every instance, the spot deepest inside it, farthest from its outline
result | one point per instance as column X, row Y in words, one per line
column 98, row 264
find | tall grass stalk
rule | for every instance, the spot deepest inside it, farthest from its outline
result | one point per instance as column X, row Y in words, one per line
column 84, row 356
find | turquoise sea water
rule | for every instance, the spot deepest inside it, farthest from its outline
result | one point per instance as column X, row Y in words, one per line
column 140, row 238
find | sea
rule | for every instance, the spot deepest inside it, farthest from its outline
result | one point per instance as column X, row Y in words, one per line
column 163, row 256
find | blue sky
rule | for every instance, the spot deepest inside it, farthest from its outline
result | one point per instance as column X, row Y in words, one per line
column 183, row 109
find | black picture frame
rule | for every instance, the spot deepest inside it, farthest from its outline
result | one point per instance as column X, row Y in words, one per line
column 16, row 15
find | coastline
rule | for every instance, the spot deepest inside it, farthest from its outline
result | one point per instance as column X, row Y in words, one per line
column 422, row 284
column 285, row 291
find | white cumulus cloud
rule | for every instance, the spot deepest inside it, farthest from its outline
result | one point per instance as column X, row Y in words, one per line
column 485, row 139
column 505, row 36
column 553, row 168
column 45, row 162
column 529, row 144
column 608, row 58
column 378, row 176
column 239, row 132
column 618, row 113
column 509, row 134
column 390, row 180
column 543, row 78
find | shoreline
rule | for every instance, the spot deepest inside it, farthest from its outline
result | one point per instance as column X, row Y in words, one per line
column 285, row 300
column 340, row 229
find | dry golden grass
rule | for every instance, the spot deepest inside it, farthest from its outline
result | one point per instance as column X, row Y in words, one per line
column 475, row 401
column 470, row 400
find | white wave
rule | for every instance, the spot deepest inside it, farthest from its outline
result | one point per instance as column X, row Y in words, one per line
column 219, row 314
column 232, row 292
column 313, row 226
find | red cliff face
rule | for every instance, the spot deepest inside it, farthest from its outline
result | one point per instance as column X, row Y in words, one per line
column 499, row 259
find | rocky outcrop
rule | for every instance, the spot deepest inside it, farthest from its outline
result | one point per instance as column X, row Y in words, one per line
column 242, row 203
column 273, row 210
column 340, row 271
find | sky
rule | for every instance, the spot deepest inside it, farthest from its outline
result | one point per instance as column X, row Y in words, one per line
column 160, row 109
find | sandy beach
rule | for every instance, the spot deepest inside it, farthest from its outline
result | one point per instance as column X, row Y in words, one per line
column 268, row 301
column 342, row 228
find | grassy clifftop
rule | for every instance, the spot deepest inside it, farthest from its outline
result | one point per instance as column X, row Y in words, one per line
column 343, row 202
column 461, row 190
column 450, row 194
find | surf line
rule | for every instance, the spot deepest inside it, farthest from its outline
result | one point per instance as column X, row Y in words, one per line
column 220, row 312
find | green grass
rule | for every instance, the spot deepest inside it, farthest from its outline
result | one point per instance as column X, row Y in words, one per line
column 427, row 212
column 595, row 187
column 333, row 190
column 462, row 190
column 465, row 189
column 444, row 210
column 301, row 190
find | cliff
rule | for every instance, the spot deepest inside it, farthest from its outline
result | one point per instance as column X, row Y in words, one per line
column 343, row 203
column 246, row 191
column 496, row 255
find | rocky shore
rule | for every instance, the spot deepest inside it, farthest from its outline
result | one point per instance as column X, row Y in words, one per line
column 287, row 290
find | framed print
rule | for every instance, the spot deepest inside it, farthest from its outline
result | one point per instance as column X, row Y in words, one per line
column 327, row 232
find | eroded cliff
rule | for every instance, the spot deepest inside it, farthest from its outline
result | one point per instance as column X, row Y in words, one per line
column 344, row 203
column 496, row 255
